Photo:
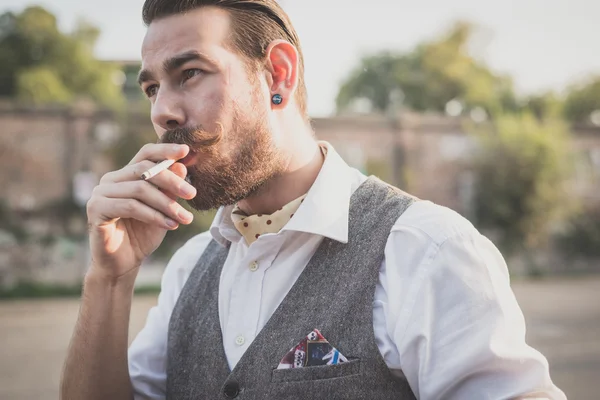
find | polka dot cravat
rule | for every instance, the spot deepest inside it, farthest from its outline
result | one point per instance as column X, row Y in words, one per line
column 252, row 226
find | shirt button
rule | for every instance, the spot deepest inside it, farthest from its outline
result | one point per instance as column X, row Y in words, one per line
column 253, row 266
column 231, row 389
column 240, row 340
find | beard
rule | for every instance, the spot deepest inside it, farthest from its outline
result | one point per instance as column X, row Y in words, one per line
column 230, row 167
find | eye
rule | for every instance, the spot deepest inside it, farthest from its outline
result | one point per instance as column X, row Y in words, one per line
column 190, row 73
column 151, row 90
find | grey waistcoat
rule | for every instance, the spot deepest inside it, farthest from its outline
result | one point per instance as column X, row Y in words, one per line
column 334, row 294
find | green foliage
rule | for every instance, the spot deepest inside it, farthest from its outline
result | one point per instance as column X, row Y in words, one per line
column 33, row 290
column 429, row 77
column 439, row 71
column 380, row 168
column 42, row 65
column 583, row 100
column 582, row 236
column 36, row 290
column 521, row 169
column 374, row 79
column 544, row 106
column 10, row 223
column 41, row 85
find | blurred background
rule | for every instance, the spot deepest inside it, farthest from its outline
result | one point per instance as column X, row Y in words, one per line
column 490, row 108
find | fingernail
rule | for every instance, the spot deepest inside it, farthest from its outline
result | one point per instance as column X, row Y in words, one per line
column 185, row 215
column 170, row 223
column 188, row 190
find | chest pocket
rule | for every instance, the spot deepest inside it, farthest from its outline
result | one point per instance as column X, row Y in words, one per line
column 319, row 382
column 352, row 367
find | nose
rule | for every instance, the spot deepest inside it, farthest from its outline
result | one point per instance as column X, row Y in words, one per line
column 167, row 112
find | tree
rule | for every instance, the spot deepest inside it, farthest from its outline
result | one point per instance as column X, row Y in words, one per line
column 42, row 65
column 41, row 85
column 581, row 237
column 544, row 106
column 521, row 169
column 430, row 76
column 583, row 100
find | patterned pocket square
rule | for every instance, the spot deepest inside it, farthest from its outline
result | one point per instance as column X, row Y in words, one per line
column 313, row 350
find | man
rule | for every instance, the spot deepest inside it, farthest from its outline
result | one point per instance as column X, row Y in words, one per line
column 379, row 295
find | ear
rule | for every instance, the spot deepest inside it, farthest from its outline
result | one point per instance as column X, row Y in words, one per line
column 282, row 70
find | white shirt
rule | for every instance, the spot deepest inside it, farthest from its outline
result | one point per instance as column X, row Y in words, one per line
column 444, row 315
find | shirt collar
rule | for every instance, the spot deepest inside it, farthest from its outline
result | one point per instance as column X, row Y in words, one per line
column 323, row 212
column 222, row 228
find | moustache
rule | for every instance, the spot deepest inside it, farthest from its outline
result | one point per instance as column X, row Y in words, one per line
column 196, row 138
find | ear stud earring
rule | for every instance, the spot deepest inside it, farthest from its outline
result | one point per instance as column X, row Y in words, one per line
column 277, row 99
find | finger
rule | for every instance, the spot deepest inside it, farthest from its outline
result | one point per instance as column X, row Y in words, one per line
column 110, row 209
column 173, row 181
column 168, row 181
column 160, row 151
column 181, row 171
column 148, row 195
column 130, row 172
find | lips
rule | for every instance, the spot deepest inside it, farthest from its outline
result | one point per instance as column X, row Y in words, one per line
column 190, row 159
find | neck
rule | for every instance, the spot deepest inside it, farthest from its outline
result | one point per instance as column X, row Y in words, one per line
column 304, row 161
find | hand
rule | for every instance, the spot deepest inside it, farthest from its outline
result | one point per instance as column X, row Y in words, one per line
column 128, row 217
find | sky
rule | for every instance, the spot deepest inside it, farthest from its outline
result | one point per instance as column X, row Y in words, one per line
column 542, row 44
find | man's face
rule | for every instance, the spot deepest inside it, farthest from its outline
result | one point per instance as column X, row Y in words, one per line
column 203, row 94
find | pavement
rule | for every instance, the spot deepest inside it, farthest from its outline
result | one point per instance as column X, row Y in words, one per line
column 563, row 320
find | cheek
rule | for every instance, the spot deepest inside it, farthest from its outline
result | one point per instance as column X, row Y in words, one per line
column 208, row 106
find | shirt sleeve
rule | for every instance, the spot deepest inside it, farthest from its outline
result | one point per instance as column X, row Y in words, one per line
column 459, row 332
column 147, row 353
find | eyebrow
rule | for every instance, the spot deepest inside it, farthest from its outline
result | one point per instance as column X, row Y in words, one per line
column 173, row 63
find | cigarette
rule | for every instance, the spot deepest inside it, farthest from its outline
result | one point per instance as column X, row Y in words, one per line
column 158, row 168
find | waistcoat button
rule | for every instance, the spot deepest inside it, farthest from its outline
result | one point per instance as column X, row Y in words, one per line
column 231, row 389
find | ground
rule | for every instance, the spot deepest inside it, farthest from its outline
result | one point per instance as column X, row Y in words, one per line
column 563, row 320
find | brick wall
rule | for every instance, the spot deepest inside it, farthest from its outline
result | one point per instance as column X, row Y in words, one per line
column 42, row 150
column 433, row 152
